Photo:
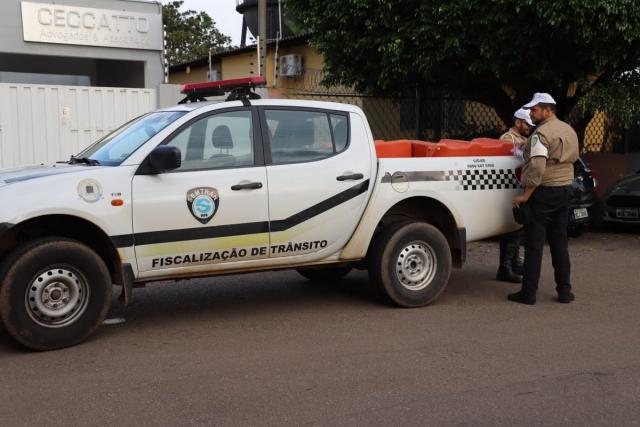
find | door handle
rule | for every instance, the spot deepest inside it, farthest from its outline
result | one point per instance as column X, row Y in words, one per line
column 248, row 186
column 350, row 177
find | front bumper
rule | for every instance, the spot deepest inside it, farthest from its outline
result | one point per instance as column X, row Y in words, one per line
column 610, row 215
column 619, row 208
column 586, row 220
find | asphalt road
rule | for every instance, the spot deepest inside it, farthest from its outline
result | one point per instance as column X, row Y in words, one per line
column 274, row 349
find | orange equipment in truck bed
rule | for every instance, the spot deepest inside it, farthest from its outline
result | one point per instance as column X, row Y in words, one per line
column 479, row 147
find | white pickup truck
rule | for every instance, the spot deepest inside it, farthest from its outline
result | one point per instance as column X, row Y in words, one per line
column 207, row 189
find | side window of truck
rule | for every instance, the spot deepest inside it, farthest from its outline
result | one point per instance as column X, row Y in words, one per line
column 218, row 141
column 303, row 136
column 340, row 126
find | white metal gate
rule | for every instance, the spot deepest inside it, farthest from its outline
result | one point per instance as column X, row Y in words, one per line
column 42, row 123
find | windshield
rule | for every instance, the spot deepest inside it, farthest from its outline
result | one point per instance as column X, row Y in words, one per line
column 115, row 147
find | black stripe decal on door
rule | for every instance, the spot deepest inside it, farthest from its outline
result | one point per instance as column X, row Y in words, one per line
column 315, row 210
column 153, row 237
column 168, row 236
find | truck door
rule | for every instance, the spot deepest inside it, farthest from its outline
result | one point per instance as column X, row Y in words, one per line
column 319, row 170
column 210, row 213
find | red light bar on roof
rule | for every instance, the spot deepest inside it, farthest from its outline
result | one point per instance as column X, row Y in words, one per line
column 240, row 89
column 222, row 86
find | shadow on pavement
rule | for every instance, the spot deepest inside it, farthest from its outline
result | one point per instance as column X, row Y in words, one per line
column 7, row 344
column 228, row 298
column 268, row 295
column 616, row 228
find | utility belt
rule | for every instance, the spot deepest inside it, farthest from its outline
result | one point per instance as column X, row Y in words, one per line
column 552, row 189
column 524, row 213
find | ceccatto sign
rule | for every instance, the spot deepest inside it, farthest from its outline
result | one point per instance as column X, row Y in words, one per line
column 60, row 24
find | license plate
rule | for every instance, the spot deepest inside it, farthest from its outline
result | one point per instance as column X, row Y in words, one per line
column 627, row 213
column 580, row 213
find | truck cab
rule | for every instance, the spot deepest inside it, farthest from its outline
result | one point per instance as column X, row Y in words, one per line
column 256, row 186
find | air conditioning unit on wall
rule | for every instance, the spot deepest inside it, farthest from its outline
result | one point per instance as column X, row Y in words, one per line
column 291, row 65
column 213, row 75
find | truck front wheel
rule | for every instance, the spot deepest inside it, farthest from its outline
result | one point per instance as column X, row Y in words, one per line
column 53, row 293
column 411, row 263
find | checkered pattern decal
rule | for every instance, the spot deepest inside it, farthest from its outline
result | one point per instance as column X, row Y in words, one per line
column 482, row 179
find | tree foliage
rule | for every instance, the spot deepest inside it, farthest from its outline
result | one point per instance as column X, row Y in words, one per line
column 620, row 97
column 190, row 34
column 498, row 52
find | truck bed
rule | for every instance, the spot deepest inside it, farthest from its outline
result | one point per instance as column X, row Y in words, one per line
column 404, row 148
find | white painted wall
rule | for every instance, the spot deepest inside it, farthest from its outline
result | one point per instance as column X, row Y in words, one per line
column 168, row 95
column 41, row 123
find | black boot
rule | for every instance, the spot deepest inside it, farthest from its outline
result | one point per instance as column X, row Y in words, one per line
column 522, row 298
column 517, row 263
column 565, row 296
column 505, row 271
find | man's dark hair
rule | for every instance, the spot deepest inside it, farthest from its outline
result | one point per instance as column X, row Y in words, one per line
column 551, row 107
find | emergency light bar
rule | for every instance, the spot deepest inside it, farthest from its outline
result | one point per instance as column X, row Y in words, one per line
column 238, row 89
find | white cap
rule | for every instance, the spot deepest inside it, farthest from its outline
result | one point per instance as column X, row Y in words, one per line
column 540, row 98
column 523, row 114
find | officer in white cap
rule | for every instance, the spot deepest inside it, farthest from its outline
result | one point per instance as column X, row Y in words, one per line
column 521, row 129
column 547, row 175
column 511, row 265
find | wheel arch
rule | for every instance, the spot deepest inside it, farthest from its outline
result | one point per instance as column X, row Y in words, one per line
column 68, row 226
column 434, row 212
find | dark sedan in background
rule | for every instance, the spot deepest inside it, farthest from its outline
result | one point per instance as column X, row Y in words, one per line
column 621, row 204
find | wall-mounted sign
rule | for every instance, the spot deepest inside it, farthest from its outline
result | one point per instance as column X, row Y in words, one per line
column 60, row 24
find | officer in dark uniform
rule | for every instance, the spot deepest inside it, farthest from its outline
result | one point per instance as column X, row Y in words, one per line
column 546, row 177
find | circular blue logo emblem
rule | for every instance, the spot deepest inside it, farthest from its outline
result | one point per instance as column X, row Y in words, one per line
column 203, row 207
column 203, row 203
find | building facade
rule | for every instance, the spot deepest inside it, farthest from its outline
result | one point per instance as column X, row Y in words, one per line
column 73, row 70
column 112, row 43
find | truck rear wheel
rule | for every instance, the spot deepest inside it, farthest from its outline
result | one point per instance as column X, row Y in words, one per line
column 54, row 293
column 411, row 263
column 326, row 274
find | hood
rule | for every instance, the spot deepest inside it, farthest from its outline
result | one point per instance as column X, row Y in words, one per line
column 27, row 173
column 630, row 183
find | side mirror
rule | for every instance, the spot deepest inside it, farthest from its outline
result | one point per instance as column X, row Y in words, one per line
column 163, row 159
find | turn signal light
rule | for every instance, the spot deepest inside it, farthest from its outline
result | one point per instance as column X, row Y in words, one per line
column 117, row 202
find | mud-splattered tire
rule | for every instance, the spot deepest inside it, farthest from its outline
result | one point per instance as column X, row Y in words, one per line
column 410, row 263
column 327, row 274
column 54, row 293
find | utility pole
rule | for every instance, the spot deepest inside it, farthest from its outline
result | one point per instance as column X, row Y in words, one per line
column 262, row 36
